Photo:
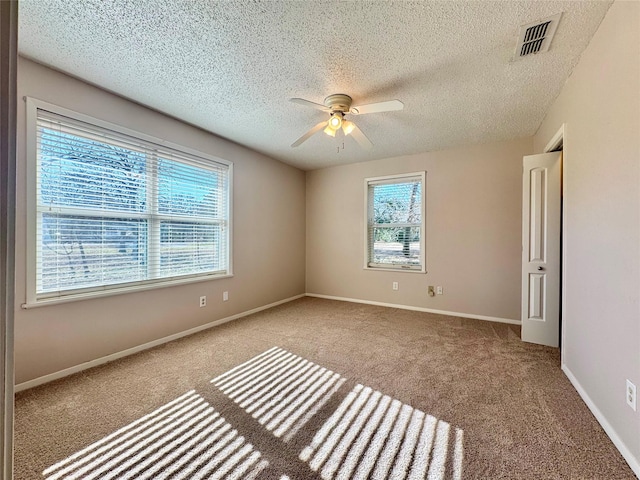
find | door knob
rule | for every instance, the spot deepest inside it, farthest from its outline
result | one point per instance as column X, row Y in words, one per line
column 540, row 268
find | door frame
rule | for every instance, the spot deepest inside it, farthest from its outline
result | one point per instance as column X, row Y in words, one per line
column 8, row 101
column 557, row 142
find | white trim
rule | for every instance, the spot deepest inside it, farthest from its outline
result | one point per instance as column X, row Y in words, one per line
column 633, row 462
column 8, row 200
column 31, row 184
column 368, row 206
column 127, row 288
column 229, row 225
column 389, row 179
column 417, row 309
column 556, row 141
column 180, row 152
column 34, row 103
column 145, row 346
column 368, row 209
column 396, row 270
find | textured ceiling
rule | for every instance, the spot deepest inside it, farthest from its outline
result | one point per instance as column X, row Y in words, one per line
column 230, row 67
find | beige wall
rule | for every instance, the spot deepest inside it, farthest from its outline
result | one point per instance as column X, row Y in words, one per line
column 600, row 105
column 268, row 243
column 474, row 198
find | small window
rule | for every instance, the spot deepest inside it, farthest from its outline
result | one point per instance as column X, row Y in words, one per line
column 111, row 209
column 395, row 222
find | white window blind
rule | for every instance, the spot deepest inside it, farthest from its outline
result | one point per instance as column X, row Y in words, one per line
column 395, row 229
column 114, row 210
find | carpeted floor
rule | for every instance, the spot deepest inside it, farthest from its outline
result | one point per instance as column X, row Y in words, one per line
column 320, row 389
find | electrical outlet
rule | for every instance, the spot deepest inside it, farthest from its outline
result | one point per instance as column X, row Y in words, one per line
column 439, row 290
column 631, row 395
column 225, row 296
column 394, row 285
column 431, row 291
column 203, row 301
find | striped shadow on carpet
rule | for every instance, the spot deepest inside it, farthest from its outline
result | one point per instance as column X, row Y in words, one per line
column 184, row 439
column 369, row 435
column 279, row 389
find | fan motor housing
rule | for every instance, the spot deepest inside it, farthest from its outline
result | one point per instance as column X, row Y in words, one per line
column 338, row 102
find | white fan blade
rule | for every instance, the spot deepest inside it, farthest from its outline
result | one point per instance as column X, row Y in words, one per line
column 307, row 103
column 388, row 106
column 361, row 138
column 306, row 136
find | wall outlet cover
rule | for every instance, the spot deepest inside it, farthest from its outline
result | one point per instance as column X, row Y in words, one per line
column 631, row 395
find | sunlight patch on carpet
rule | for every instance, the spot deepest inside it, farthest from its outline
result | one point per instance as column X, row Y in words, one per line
column 279, row 389
column 371, row 435
column 184, row 439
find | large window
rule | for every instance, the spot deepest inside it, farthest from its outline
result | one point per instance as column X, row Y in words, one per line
column 114, row 210
column 395, row 222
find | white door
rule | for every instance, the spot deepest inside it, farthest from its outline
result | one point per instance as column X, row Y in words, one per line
column 541, row 187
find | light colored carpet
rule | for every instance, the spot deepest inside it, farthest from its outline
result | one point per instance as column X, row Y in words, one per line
column 320, row 389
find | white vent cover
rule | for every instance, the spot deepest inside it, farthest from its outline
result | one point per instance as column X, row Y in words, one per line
column 536, row 37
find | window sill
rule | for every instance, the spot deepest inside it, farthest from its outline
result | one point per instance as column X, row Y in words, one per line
column 390, row 269
column 118, row 291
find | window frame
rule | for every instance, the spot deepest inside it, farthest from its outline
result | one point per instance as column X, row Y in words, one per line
column 33, row 299
column 368, row 215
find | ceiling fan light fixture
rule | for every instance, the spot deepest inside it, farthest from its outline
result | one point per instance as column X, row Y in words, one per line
column 330, row 130
column 347, row 127
column 336, row 120
column 338, row 105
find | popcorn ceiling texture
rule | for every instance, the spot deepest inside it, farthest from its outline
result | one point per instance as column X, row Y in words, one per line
column 230, row 67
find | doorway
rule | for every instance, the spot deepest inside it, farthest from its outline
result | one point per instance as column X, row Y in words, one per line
column 8, row 76
column 542, row 298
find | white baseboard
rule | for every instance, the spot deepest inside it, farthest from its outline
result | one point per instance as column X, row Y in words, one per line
column 130, row 351
column 418, row 309
column 609, row 430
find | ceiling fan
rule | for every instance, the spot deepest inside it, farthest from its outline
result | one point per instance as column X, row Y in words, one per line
column 338, row 106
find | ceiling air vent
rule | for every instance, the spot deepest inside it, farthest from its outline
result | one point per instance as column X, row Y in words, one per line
column 536, row 37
